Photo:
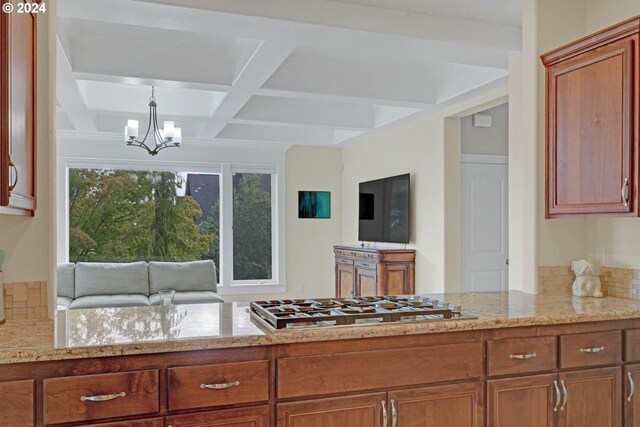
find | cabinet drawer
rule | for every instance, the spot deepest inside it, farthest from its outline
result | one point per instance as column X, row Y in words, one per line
column 632, row 345
column 344, row 261
column 363, row 264
column 114, row 395
column 520, row 355
column 242, row 417
column 16, row 403
column 593, row 349
column 365, row 370
column 147, row 422
column 217, row 385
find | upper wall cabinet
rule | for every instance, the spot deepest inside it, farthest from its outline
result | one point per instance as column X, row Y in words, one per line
column 592, row 120
column 17, row 112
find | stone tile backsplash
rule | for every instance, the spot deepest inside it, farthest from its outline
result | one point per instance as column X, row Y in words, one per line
column 25, row 301
column 616, row 282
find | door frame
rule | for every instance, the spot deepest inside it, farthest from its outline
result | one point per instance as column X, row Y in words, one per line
column 485, row 159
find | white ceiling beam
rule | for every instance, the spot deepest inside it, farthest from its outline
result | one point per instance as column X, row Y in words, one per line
column 264, row 62
column 473, row 50
column 172, row 84
column 68, row 94
column 266, row 133
column 366, row 18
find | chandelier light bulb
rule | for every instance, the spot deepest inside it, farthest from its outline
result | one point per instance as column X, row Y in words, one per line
column 169, row 128
column 177, row 137
column 132, row 129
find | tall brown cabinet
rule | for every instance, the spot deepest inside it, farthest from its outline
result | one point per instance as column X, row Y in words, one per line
column 592, row 120
column 18, row 112
column 368, row 272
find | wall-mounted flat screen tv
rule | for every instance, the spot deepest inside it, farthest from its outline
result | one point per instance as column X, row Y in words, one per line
column 384, row 210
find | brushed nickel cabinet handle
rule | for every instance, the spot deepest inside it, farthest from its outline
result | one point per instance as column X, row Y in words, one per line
column 632, row 386
column 394, row 414
column 625, row 191
column 592, row 349
column 15, row 170
column 523, row 356
column 555, row 385
column 565, row 395
column 221, row 386
column 384, row 413
column 103, row 398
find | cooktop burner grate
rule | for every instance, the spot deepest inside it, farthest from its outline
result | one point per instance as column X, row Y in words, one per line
column 320, row 312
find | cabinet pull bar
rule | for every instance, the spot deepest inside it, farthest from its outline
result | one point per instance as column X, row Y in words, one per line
column 632, row 386
column 625, row 192
column 15, row 170
column 384, row 413
column 565, row 395
column 592, row 349
column 394, row 414
column 555, row 385
column 221, row 386
column 524, row 356
column 103, row 398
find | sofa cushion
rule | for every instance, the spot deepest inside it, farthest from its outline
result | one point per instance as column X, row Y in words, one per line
column 66, row 274
column 182, row 276
column 117, row 300
column 195, row 297
column 63, row 303
column 111, row 278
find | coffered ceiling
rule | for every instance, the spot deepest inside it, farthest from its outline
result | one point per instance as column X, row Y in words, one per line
column 314, row 72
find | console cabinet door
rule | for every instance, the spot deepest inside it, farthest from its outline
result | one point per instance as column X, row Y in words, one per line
column 591, row 132
column 459, row 405
column 593, row 398
column 18, row 112
column 631, row 397
column 366, row 280
column 17, row 407
column 354, row 411
column 345, row 280
column 523, row 401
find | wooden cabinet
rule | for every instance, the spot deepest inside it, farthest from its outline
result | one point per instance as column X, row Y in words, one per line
column 18, row 113
column 369, row 272
column 631, row 400
column 241, row 417
column 94, row 397
column 354, row 411
column 17, row 406
column 524, row 401
column 218, row 385
column 459, row 405
column 592, row 120
column 591, row 398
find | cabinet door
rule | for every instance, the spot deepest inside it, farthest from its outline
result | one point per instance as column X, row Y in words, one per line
column 354, row 411
column 18, row 111
column 523, row 402
column 458, row 405
column 398, row 278
column 240, row 417
column 593, row 398
column 17, row 403
column 591, row 132
column 366, row 280
column 345, row 284
column 631, row 399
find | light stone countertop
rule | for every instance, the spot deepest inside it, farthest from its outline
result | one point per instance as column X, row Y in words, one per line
column 140, row 330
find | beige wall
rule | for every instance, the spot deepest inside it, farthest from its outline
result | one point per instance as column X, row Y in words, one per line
column 310, row 262
column 428, row 149
column 28, row 242
column 493, row 140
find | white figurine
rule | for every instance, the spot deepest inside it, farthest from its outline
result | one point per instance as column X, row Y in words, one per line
column 587, row 283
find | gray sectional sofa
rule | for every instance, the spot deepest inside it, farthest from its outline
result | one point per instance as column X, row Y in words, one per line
column 94, row 285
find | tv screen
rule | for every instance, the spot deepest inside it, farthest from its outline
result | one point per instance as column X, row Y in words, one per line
column 384, row 210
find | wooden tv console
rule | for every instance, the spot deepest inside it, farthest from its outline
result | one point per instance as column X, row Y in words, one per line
column 366, row 272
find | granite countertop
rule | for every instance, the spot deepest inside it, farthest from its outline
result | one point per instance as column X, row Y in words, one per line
column 139, row 330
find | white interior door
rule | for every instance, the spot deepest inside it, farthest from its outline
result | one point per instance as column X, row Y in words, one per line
column 485, row 227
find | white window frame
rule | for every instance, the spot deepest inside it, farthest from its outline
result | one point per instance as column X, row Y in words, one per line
column 226, row 285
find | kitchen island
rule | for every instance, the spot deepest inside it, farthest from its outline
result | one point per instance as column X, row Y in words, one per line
column 572, row 361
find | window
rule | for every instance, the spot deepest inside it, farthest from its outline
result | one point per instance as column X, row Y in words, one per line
column 126, row 215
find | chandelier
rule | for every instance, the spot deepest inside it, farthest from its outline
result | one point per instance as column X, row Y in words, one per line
column 170, row 136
